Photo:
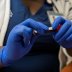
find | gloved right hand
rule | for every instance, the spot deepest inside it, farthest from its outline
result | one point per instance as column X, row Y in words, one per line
column 21, row 40
column 64, row 35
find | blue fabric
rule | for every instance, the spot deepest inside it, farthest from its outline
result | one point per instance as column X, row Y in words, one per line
column 64, row 35
column 44, row 53
column 21, row 13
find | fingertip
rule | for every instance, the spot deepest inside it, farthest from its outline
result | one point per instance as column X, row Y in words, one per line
column 28, row 22
column 58, row 21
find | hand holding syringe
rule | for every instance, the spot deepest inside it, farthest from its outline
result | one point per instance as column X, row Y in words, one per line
column 52, row 16
column 50, row 29
column 63, row 32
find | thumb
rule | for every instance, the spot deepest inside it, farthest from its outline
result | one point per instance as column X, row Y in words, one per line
column 27, row 34
column 38, row 26
column 58, row 21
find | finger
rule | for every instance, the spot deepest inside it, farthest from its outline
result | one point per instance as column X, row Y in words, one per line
column 66, row 35
column 69, row 38
column 27, row 33
column 40, row 27
column 63, row 30
column 30, row 44
column 24, row 33
column 58, row 21
column 33, row 40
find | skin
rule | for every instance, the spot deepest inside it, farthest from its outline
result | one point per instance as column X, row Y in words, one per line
column 34, row 5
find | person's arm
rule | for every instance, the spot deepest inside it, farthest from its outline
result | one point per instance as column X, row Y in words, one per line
column 64, row 35
column 20, row 41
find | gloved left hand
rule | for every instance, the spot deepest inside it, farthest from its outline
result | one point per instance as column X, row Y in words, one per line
column 64, row 35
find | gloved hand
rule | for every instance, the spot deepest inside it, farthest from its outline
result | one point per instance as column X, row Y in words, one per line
column 64, row 35
column 21, row 40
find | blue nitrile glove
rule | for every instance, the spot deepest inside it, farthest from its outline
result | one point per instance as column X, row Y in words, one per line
column 21, row 40
column 64, row 35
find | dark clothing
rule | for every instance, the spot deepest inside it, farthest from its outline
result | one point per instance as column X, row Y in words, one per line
column 44, row 54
